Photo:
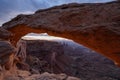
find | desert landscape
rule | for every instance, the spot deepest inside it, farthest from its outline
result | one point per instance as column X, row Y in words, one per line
column 67, row 42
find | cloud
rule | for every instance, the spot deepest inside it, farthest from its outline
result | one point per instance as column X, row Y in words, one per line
column 10, row 8
column 13, row 14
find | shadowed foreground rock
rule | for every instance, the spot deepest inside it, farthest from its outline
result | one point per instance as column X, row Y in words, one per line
column 96, row 26
column 6, row 50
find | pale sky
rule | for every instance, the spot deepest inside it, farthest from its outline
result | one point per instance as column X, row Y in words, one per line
column 10, row 8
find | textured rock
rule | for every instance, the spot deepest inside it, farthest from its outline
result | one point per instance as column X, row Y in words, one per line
column 24, row 75
column 96, row 26
column 6, row 51
column 4, row 34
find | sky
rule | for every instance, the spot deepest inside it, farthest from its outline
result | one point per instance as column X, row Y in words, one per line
column 11, row 8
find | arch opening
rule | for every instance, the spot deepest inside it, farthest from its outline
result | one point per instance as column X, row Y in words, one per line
column 100, row 43
column 62, row 55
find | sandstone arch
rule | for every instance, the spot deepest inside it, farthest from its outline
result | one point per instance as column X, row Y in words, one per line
column 95, row 25
column 102, row 40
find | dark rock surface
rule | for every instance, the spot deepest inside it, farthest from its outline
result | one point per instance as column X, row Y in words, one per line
column 4, row 34
column 6, row 50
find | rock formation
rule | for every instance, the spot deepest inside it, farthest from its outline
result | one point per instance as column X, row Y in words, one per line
column 96, row 26
column 6, row 49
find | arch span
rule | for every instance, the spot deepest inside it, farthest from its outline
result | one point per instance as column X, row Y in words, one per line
column 102, row 40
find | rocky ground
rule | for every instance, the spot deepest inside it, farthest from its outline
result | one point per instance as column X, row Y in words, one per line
column 25, row 75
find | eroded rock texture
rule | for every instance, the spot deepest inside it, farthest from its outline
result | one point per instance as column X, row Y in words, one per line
column 96, row 26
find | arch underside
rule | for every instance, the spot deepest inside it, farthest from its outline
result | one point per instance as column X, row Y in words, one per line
column 102, row 40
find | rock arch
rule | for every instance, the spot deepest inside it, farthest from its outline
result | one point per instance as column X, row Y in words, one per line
column 101, row 39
